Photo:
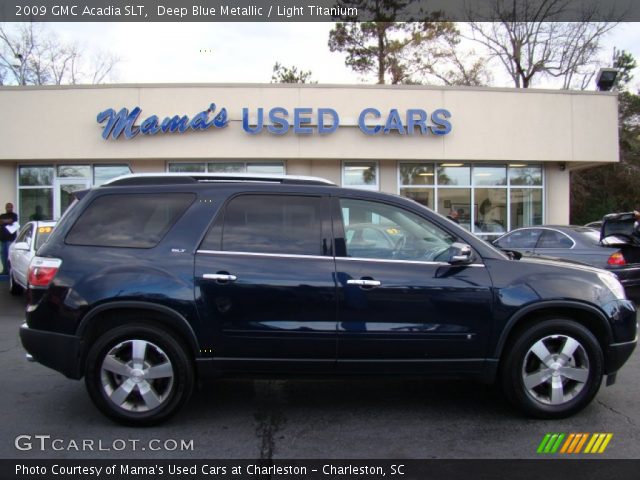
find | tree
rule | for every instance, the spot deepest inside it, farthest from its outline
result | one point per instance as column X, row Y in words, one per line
column 282, row 74
column 625, row 63
column 396, row 52
column 32, row 55
column 542, row 47
column 460, row 68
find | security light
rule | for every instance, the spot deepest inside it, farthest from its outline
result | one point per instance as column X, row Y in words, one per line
column 606, row 79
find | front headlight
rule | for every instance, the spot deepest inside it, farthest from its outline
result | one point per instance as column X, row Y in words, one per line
column 613, row 284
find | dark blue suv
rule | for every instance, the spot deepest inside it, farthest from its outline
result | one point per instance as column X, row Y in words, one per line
column 150, row 282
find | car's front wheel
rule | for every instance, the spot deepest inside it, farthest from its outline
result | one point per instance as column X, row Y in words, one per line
column 138, row 374
column 553, row 369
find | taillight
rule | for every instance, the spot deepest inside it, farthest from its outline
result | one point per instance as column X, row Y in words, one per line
column 42, row 270
column 617, row 259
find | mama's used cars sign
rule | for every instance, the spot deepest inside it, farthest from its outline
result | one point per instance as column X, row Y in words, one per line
column 277, row 121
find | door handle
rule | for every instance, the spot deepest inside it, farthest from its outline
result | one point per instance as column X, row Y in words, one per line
column 220, row 277
column 364, row 283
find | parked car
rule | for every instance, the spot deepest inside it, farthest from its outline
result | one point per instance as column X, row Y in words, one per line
column 597, row 224
column 149, row 282
column 30, row 237
column 578, row 244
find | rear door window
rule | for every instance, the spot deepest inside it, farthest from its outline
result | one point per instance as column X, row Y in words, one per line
column 520, row 239
column 276, row 224
column 554, row 239
column 129, row 220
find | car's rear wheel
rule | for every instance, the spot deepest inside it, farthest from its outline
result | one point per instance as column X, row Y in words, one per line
column 14, row 288
column 553, row 369
column 138, row 374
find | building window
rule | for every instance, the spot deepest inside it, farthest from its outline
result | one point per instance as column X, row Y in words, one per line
column 104, row 173
column 49, row 189
column 488, row 200
column 274, row 168
column 362, row 175
column 35, row 191
column 188, row 167
column 417, row 181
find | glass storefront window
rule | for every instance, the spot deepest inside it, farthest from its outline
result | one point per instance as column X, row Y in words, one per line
column 492, row 210
column 104, row 173
column 360, row 175
column 74, row 171
column 425, row 196
column 526, row 207
column 458, row 200
column 524, row 175
column 225, row 167
column 187, row 167
column 454, row 174
column 488, row 176
column 266, row 168
column 275, row 168
column 35, row 201
column 35, row 176
column 416, row 174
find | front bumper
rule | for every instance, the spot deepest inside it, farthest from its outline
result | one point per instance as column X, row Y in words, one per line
column 618, row 354
column 54, row 350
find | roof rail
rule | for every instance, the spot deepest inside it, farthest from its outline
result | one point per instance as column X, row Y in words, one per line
column 185, row 178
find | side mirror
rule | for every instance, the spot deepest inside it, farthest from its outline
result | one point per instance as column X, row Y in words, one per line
column 21, row 246
column 459, row 254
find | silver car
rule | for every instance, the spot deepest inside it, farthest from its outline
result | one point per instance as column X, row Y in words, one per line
column 31, row 236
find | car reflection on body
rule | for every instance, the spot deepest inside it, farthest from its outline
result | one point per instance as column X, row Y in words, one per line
column 577, row 244
column 31, row 236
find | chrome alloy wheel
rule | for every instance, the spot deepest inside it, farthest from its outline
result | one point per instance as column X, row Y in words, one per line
column 137, row 375
column 555, row 369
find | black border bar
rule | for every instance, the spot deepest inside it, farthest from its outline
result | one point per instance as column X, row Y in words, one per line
column 317, row 10
column 544, row 468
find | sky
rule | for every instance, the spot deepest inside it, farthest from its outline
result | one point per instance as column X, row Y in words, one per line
column 246, row 52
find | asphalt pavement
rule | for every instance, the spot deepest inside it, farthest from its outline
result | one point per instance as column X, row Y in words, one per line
column 45, row 415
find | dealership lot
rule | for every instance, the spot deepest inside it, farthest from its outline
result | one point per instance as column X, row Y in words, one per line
column 331, row 418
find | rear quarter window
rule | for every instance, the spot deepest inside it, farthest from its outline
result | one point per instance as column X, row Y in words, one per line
column 128, row 220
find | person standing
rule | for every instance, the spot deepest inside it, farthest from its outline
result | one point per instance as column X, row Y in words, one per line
column 453, row 216
column 7, row 219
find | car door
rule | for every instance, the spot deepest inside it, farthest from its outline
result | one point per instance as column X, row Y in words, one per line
column 554, row 243
column 265, row 283
column 406, row 308
column 21, row 257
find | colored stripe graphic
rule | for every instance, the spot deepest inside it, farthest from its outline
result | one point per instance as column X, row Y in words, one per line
column 550, row 443
column 565, row 447
column 582, row 440
column 543, row 443
column 598, row 443
column 573, row 443
column 606, row 442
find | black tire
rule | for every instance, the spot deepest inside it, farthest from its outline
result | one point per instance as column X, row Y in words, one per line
column 14, row 288
column 522, row 360
column 150, row 400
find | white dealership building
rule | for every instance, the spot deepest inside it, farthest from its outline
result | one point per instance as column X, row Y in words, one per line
column 500, row 157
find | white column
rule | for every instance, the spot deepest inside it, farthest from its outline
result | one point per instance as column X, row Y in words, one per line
column 556, row 190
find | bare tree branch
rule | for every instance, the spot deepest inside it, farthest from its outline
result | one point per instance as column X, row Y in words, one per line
column 542, row 47
column 32, row 55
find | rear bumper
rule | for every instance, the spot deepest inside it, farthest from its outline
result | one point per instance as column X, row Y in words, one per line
column 618, row 354
column 54, row 350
